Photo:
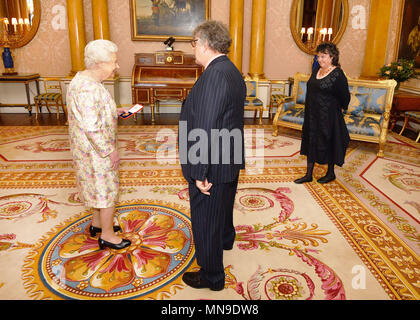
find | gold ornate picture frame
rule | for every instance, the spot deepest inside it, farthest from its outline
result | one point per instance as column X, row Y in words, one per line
column 296, row 24
column 23, row 36
column 156, row 20
column 408, row 33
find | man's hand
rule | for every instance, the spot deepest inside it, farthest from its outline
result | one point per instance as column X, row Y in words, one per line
column 204, row 186
column 115, row 159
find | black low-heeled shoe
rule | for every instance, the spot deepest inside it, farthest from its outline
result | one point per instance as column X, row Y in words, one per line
column 326, row 179
column 94, row 230
column 118, row 246
column 303, row 179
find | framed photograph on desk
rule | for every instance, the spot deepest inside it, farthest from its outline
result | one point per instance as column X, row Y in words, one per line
column 156, row 20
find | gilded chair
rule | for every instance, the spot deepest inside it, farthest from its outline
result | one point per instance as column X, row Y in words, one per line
column 252, row 103
column 280, row 90
column 411, row 115
column 53, row 97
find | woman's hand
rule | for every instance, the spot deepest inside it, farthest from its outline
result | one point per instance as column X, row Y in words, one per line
column 115, row 159
column 122, row 110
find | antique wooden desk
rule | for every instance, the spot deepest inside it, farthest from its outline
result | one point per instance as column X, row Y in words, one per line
column 26, row 79
column 163, row 75
column 403, row 101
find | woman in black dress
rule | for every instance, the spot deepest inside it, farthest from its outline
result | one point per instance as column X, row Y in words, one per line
column 324, row 133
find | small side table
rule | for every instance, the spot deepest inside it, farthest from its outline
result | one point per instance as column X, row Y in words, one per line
column 26, row 79
column 411, row 115
column 403, row 101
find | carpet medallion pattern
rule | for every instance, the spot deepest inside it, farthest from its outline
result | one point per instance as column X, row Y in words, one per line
column 357, row 237
column 73, row 267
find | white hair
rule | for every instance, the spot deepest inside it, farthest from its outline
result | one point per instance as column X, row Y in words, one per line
column 97, row 51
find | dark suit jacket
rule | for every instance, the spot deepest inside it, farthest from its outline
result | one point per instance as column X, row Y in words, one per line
column 216, row 101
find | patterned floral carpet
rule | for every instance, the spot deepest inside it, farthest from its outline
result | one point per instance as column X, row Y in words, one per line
column 355, row 238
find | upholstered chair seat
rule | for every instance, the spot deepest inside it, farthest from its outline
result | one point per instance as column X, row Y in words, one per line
column 52, row 97
column 252, row 102
column 414, row 116
column 48, row 96
column 279, row 93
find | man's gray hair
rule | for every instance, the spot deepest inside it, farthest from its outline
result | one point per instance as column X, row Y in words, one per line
column 97, row 51
column 216, row 34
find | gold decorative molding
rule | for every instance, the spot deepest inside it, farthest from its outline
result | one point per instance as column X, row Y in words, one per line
column 404, row 86
column 295, row 32
column 27, row 37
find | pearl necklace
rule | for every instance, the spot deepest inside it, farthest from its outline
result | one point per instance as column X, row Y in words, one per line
column 323, row 73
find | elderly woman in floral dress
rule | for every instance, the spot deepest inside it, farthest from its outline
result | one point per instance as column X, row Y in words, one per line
column 93, row 140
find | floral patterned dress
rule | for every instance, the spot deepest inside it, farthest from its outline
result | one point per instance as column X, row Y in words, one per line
column 93, row 136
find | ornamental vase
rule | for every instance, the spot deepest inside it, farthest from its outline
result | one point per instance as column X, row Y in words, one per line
column 7, row 58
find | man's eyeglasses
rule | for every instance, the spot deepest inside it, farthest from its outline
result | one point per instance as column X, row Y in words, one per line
column 194, row 43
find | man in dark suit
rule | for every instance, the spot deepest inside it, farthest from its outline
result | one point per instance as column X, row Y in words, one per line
column 211, row 148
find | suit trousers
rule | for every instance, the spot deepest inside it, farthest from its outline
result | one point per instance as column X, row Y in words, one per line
column 212, row 227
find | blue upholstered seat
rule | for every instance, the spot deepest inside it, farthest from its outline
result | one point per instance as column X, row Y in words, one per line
column 368, row 125
column 411, row 115
column 252, row 102
column 53, row 97
column 48, row 96
column 279, row 92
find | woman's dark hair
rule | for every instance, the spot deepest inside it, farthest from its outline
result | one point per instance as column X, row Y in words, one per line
column 331, row 49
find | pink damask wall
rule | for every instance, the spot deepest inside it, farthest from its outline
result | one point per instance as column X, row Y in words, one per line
column 49, row 52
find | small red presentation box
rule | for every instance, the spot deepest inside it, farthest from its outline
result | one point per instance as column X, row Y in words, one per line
column 136, row 108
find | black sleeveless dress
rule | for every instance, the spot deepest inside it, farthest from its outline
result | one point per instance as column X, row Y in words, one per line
column 324, row 133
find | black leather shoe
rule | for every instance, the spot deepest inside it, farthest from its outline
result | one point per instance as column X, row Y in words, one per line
column 303, row 179
column 94, row 230
column 327, row 178
column 105, row 244
column 228, row 247
column 194, row 280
